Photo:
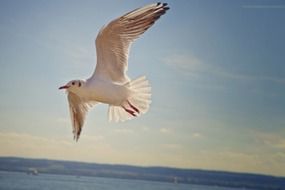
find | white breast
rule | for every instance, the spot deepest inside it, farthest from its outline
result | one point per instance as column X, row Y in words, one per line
column 106, row 92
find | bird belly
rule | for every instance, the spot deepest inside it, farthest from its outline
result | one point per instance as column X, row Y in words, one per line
column 107, row 92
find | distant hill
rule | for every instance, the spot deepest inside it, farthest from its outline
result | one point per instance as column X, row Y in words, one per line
column 172, row 175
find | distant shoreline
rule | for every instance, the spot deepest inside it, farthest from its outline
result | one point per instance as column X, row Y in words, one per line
column 162, row 174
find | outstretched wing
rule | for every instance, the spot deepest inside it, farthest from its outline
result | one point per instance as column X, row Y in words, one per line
column 78, row 109
column 114, row 40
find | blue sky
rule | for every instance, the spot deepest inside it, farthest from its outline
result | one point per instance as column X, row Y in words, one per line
column 216, row 69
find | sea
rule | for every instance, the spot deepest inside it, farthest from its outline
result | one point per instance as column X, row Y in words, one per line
column 23, row 181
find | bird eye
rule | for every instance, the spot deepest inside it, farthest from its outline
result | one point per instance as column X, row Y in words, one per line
column 73, row 83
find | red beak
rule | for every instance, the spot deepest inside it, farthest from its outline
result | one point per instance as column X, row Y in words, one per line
column 63, row 87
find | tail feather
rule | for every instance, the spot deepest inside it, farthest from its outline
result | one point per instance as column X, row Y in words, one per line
column 140, row 86
column 111, row 113
column 139, row 80
column 137, row 104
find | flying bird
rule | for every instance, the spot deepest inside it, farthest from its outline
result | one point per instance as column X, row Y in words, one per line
column 110, row 83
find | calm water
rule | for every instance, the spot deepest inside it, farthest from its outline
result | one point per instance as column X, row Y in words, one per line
column 22, row 181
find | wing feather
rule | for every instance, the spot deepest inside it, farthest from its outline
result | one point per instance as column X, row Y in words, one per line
column 114, row 40
column 78, row 109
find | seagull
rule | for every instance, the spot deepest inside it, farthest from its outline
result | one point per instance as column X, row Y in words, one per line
column 110, row 84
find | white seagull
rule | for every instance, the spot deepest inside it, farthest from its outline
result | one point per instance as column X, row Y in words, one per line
column 109, row 83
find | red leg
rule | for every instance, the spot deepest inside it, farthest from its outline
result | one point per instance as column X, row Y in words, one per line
column 133, row 107
column 129, row 111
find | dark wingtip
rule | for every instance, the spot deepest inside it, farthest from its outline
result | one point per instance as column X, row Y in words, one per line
column 164, row 5
column 157, row 17
column 76, row 137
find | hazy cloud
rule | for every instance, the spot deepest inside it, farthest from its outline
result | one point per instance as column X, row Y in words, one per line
column 263, row 6
column 197, row 135
column 272, row 140
column 172, row 146
column 77, row 53
column 187, row 63
column 124, row 131
column 93, row 138
column 63, row 121
column 193, row 66
column 165, row 131
column 238, row 160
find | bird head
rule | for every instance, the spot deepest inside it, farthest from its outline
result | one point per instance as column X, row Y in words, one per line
column 73, row 86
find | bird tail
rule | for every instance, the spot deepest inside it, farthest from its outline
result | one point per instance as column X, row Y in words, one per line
column 137, row 103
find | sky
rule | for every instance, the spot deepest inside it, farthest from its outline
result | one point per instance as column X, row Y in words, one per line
column 216, row 69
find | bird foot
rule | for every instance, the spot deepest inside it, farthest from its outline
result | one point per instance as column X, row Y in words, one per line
column 133, row 107
column 129, row 111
